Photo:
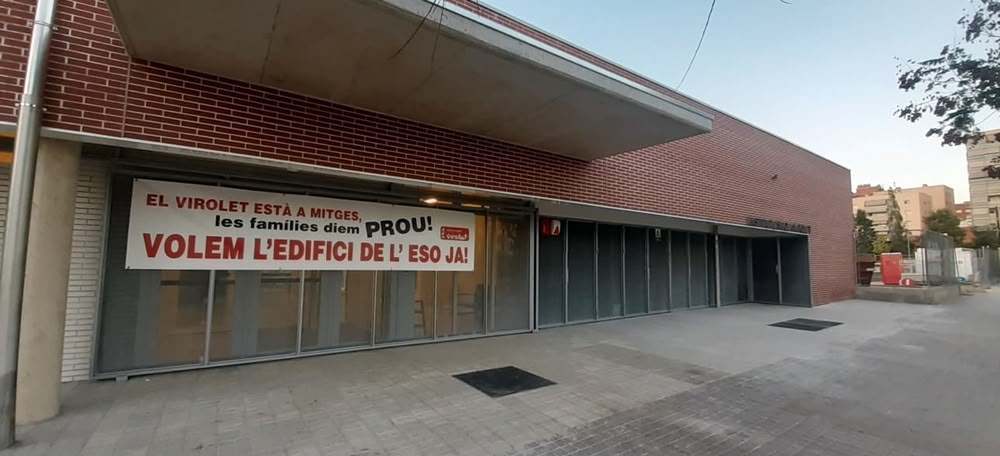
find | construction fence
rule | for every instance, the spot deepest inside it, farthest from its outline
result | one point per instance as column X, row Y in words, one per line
column 938, row 262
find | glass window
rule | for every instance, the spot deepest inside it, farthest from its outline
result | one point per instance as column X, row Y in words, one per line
column 551, row 279
column 510, row 252
column 148, row 318
column 337, row 310
column 710, row 244
column 635, row 270
column 699, row 271
column 609, row 271
column 742, row 270
column 160, row 321
column 581, row 262
column 734, row 269
column 727, row 269
column 679, row 270
column 405, row 305
column 160, row 318
column 462, row 295
column 180, row 328
column 447, row 313
column 794, row 261
column 764, row 263
column 255, row 313
column 659, row 270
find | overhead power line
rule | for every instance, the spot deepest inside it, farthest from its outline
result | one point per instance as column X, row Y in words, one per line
column 985, row 119
column 420, row 26
column 700, row 40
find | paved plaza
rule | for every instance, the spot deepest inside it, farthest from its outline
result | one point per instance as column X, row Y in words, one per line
column 894, row 379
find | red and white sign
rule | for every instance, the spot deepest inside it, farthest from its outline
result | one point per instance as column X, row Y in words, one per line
column 189, row 226
column 551, row 227
column 454, row 233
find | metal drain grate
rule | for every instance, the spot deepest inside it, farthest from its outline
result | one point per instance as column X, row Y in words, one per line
column 503, row 381
column 806, row 324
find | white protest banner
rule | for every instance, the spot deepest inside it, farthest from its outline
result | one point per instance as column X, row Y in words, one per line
column 187, row 226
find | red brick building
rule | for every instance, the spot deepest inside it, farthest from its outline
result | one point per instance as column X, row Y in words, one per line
column 964, row 211
column 577, row 189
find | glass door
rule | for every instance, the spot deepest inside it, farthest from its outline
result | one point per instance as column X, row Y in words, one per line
column 461, row 295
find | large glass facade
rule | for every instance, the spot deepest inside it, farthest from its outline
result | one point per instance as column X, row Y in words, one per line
column 734, row 270
column 160, row 319
column 405, row 306
column 581, row 259
column 598, row 271
column 255, row 313
column 166, row 328
column 680, row 271
column 589, row 271
column 636, row 272
column 461, row 297
column 337, row 309
column 551, row 280
column 765, row 280
column 659, row 270
column 699, row 279
column 509, row 281
column 610, row 277
column 149, row 319
column 447, row 312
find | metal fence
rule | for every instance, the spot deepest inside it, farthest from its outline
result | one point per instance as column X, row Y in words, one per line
column 988, row 266
column 937, row 263
column 938, row 259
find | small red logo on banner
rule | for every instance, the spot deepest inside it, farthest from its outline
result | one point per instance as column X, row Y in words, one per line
column 453, row 233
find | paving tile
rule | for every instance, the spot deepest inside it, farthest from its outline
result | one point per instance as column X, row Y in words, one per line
column 895, row 379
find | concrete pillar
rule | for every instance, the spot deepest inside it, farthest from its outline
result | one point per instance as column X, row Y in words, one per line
column 43, row 314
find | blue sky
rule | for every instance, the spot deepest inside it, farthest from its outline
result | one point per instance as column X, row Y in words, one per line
column 820, row 73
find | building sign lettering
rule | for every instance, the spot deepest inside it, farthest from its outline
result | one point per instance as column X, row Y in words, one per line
column 776, row 225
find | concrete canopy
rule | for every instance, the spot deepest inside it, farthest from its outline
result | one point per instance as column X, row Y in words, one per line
column 414, row 60
column 614, row 215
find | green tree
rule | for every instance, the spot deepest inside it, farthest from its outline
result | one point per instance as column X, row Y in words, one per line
column 881, row 245
column 963, row 81
column 945, row 222
column 864, row 233
column 985, row 237
column 968, row 242
column 898, row 237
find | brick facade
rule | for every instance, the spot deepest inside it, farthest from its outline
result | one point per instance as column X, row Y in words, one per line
column 726, row 175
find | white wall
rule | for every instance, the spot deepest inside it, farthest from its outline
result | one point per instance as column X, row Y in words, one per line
column 84, row 273
column 4, row 192
column 83, row 292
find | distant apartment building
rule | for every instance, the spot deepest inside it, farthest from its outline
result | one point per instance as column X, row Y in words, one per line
column 984, row 191
column 914, row 205
column 964, row 213
column 867, row 190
